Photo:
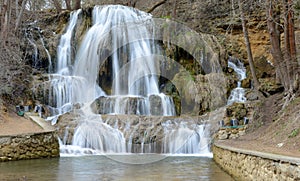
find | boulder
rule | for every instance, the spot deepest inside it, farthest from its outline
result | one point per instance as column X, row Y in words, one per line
column 269, row 86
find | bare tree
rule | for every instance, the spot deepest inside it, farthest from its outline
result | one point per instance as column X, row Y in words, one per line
column 274, row 32
column 289, row 42
column 286, row 64
column 131, row 3
column 57, row 5
column 20, row 14
column 77, row 4
column 6, row 14
column 248, row 45
column 68, row 4
column 13, row 71
column 156, row 5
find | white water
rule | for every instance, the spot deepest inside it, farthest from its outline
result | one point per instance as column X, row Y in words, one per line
column 137, row 79
column 238, row 93
column 64, row 50
column 184, row 139
column 95, row 137
column 67, row 87
column 121, row 30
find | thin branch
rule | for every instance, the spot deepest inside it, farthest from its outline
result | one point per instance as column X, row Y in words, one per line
column 156, row 5
column 18, row 21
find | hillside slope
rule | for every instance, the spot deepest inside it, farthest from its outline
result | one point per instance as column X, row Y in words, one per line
column 273, row 129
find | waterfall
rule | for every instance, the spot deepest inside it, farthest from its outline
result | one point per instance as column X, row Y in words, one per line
column 238, row 93
column 183, row 139
column 122, row 31
column 66, row 86
column 135, row 89
column 64, row 50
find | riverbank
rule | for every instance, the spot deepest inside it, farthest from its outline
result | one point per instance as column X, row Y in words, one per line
column 27, row 137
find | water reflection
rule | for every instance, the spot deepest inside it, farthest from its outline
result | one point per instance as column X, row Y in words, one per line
column 102, row 168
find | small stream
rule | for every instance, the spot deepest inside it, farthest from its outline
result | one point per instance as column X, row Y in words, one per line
column 103, row 168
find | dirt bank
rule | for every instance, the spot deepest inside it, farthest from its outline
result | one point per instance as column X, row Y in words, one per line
column 273, row 129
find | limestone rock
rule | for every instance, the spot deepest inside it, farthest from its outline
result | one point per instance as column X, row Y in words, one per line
column 237, row 111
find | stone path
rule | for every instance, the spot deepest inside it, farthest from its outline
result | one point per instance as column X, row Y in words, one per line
column 12, row 124
column 267, row 155
column 38, row 120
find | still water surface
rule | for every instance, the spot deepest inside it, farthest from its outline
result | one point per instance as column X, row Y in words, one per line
column 87, row 168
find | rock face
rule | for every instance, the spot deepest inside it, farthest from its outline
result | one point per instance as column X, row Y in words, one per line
column 29, row 146
column 230, row 133
column 270, row 87
column 236, row 111
column 205, row 93
column 106, row 105
column 245, row 166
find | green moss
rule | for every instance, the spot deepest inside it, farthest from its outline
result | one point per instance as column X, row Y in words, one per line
column 294, row 133
column 295, row 101
column 166, row 17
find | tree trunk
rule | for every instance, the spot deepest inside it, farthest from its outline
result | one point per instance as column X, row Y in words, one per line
column 292, row 46
column 131, row 3
column 291, row 30
column 272, row 20
column 5, row 21
column 18, row 21
column 57, row 5
column 17, row 7
column 248, row 46
column 77, row 4
column 156, row 5
column 174, row 14
column 287, row 53
column 68, row 4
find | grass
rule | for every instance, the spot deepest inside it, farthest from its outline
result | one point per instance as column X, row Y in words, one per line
column 296, row 101
column 294, row 133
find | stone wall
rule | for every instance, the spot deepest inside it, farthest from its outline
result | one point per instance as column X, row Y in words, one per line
column 250, row 165
column 230, row 133
column 29, row 146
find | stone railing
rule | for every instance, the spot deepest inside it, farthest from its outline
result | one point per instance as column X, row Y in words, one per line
column 29, row 146
column 253, row 165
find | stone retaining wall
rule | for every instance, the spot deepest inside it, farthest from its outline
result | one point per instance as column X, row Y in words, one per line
column 248, row 165
column 29, row 146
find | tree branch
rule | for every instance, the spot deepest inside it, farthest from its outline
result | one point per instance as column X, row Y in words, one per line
column 156, row 5
column 18, row 21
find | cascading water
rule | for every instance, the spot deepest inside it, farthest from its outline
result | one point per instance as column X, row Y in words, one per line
column 121, row 31
column 238, row 93
column 185, row 139
column 66, row 86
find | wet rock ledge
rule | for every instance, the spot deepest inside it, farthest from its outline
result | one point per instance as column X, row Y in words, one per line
column 252, row 165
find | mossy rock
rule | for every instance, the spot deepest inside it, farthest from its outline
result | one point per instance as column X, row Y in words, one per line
column 237, row 111
column 269, row 86
column 246, row 83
